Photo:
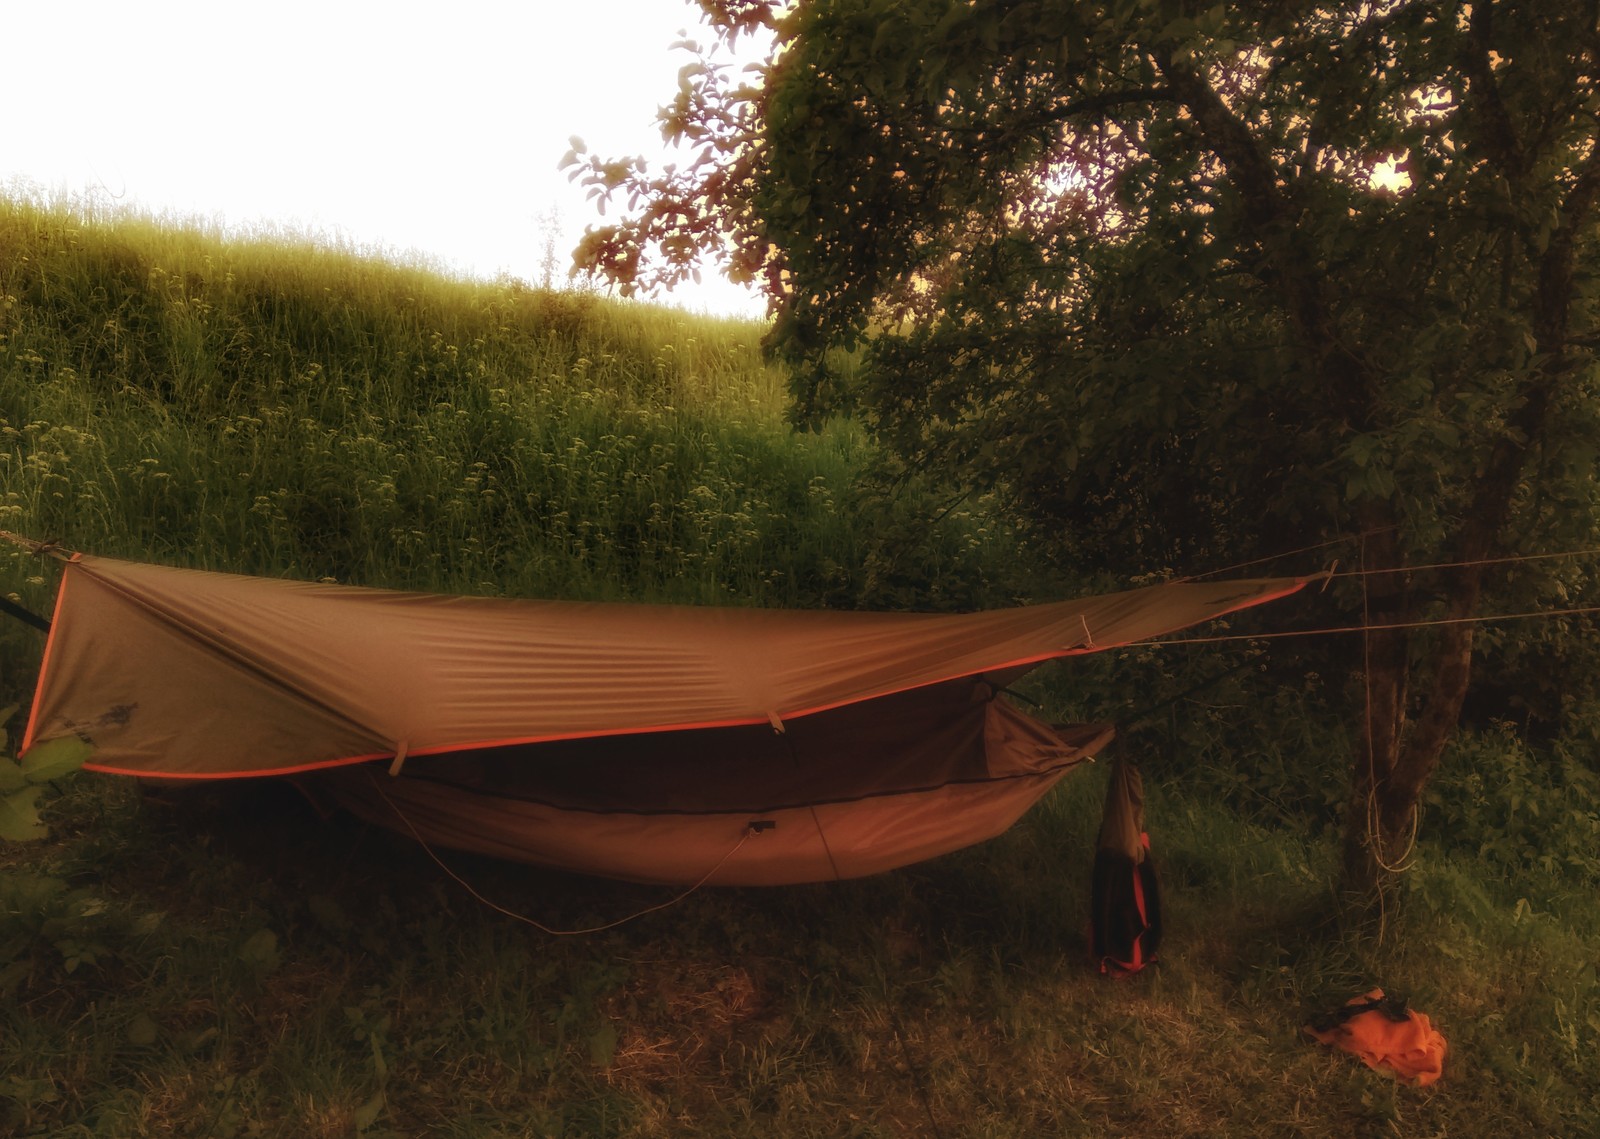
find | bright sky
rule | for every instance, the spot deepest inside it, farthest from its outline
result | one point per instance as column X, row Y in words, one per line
column 429, row 127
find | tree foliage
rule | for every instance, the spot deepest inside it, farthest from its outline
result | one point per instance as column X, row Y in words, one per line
column 1188, row 283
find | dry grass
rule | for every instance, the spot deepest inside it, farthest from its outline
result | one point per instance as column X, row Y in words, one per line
column 947, row 1000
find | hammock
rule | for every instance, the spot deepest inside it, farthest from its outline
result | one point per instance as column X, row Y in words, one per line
column 642, row 742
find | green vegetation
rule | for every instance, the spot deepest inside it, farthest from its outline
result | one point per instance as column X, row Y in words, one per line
column 24, row 780
column 246, row 969
column 278, row 408
column 1192, row 284
column 230, row 965
column 284, row 409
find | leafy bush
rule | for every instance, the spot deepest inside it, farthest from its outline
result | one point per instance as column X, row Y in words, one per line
column 25, row 779
column 46, row 925
column 1517, row 806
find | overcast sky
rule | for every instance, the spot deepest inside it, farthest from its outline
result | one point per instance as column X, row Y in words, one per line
column 434, row 128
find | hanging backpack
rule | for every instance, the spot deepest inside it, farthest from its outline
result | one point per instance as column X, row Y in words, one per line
column 1125, row 897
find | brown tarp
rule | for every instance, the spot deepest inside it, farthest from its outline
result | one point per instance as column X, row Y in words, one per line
column 537, row 729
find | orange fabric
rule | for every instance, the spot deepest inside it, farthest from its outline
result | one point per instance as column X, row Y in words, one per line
column 49, row 646
column 1124, row 894
column 190, row 674
column 1138, row 943
column 805, row 844
column 890, row 747
column 847, row 793
column 1412, row 1049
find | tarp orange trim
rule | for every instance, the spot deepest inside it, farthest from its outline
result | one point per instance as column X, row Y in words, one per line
column 188, row 674
column 49, row 646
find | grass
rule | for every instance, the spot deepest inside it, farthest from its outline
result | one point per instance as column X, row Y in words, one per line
column 233, row 965
column 289, row 409
column 244, row 968
column 285, row 409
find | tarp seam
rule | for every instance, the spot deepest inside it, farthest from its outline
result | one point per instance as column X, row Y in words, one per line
column 384, row 747
column 44, row 664
column 232, row 656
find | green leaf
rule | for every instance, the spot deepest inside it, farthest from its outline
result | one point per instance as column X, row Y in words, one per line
column 75, row 953
column 143, row 1031
column 367, row 1114
column 55, row 758
column 380, row 1066
column 5, row 718
column 328, row 913
column 260, row 950
column 11, row 776
column 603, row 1045
column 19, row 816
column 12, row 976
column 28, row 1092
column 197, row 1039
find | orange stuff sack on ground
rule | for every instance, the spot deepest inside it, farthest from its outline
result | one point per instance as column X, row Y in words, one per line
column 1411, row 1048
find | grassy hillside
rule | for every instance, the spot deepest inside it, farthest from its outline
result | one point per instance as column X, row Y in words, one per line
column 237, row 966
column 276, row 407
column 283, row 408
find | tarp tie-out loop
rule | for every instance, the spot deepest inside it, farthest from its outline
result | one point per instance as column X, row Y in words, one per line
column 399, row 758
column 38, row 549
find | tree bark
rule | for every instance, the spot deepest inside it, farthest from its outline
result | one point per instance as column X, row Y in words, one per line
column 1385, row 677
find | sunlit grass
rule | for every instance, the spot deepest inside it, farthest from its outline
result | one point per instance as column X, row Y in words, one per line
column 281, row 408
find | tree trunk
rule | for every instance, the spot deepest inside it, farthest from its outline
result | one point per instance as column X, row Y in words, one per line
column 1400, row 755
column 1397, row 758
column 1385, row 673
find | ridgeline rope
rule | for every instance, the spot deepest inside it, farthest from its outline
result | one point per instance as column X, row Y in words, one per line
column 1339, row 541
column 1363, row 628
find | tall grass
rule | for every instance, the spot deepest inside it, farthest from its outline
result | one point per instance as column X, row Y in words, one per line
column 243, row 969
column 290, row 409
column 277, row 407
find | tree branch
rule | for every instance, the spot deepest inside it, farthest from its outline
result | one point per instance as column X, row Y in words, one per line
column 1270, row 218
column 1495, row 124
column 1491, row 501
column 1248, row 167
column 1098, row 104
column 1560, row 256
column 1107, row 100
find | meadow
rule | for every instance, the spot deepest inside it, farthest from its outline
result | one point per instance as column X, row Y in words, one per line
column 227, row 963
